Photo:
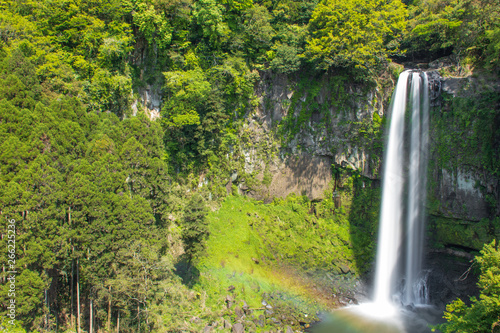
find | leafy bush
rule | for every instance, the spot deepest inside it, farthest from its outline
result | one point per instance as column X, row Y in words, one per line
column 483, row 315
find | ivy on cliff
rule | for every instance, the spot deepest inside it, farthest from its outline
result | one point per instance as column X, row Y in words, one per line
column 475, row 137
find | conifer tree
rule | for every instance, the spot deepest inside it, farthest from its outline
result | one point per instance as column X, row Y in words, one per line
column 195, row 227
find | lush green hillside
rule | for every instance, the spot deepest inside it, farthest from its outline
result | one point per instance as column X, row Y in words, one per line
column 121, row 220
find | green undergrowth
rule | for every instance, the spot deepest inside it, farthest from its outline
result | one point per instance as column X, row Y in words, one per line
column 291, row 247
column 465, row 234
column 239, row 254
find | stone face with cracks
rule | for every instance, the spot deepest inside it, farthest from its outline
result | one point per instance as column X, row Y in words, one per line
column 307, row 175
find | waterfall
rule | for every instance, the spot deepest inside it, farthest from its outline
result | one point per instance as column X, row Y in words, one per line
column 399, row 276
column 389, row 239
column 416, row 190
column 396, row 179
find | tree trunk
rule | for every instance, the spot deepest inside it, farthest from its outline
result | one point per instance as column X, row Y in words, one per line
column 72, row 314
column 77, row 297
column 118, row 323
column 48, row 313
column 138, row 319
column 108, row 326
column 455, row 253
column 72, row 308
column 91, row 317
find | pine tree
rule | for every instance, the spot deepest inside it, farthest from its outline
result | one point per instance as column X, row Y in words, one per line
column 195, row 227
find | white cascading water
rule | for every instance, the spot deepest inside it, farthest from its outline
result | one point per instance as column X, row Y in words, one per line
column 389, row 239
column 416, row 290
column 391, row 219
column 413, row 247
column 403, row 198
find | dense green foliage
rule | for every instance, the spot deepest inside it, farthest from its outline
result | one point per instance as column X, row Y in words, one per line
column 106, row 201
column 88, row 193
column 467, row 28
column 355, row 32
column 483, row 315
column 195, row 227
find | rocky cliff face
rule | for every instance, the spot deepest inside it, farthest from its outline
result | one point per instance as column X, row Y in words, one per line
column 304, row 125
column 148, row 87
column 320, row 122
column 325, row 117
column 464, row 192
column 462, row 189
column 329, row 121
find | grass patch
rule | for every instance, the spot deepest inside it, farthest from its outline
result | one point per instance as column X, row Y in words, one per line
column 286, row 246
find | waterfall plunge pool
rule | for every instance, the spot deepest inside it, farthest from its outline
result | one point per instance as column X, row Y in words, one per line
column 380, row 318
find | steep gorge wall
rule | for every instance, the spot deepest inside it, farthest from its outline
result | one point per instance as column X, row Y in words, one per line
column 310, row 124
column 328, row 121
column 464, row 193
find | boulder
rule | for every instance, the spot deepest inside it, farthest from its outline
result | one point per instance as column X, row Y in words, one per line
column 344, row 268
column 238, row 312
column 229, row 301
column 238, row 328
column 246, row 308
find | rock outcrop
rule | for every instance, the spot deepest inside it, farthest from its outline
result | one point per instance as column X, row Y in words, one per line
column 338, row 123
